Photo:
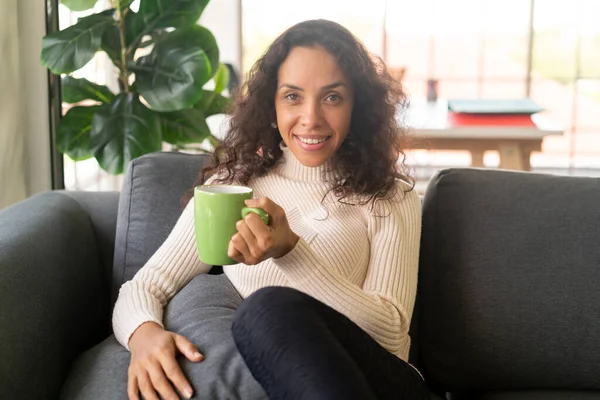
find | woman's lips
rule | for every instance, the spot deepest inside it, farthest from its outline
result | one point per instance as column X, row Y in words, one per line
column 310, row 146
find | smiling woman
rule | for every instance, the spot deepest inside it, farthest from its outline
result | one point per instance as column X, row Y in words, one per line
column 313, row 104
column 323, row 291
column 330, row 100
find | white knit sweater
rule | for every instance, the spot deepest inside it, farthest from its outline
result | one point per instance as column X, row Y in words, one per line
column 360, row 262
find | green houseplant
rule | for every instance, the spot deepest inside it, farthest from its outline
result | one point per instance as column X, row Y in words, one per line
column 164, row 60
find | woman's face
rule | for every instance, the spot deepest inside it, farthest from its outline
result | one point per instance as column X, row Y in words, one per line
column 313, row 102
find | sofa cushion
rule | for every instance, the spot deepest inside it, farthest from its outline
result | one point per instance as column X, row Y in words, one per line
column 149, row 206
column 102, row 208
column 53, row 294
column 202, row 312
column 508, row 285
column 541, row 395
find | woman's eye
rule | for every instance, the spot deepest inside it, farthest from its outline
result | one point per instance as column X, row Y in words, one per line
column 291, row 96
column 333, row 97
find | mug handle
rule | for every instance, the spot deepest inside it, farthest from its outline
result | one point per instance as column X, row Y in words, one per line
column 258, row 211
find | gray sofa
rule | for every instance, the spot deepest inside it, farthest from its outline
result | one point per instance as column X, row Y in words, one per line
column 508, row 304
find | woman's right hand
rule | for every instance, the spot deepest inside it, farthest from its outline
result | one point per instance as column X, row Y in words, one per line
column 154, row 368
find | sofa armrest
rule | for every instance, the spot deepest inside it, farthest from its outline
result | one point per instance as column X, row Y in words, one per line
column 54, row 292
column 102, row 208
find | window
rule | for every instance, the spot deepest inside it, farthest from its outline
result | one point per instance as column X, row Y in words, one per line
column 546, row 49
column 365, row 22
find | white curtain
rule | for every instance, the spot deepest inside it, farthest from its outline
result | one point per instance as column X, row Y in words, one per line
column 12, row 173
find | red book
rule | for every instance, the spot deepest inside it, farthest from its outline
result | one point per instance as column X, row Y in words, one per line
column 460, row 119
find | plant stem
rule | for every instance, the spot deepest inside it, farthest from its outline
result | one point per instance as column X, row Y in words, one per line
column 124, row 72
column 213, row 141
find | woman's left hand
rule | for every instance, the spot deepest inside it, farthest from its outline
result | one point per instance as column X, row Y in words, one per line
column 255, row 242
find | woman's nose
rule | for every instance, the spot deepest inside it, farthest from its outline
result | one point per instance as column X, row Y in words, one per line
column 311, row 115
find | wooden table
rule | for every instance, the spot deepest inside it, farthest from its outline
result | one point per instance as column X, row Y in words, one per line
column 514, row 144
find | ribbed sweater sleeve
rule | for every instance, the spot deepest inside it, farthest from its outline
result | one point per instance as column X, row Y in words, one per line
column 383, row 305
column 170, row 268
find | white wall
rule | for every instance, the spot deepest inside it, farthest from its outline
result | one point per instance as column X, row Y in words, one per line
column 12, row 174
column 24, row 133
column 34, row 91
column 223, row 18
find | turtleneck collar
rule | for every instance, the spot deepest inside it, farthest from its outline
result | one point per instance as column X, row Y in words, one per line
column 291, row 168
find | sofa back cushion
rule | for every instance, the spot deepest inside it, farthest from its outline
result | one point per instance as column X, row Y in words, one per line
column 509, row 285
column 149, row 206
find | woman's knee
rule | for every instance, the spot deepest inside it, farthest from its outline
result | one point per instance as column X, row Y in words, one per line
column 264, row 307
column 275, row 299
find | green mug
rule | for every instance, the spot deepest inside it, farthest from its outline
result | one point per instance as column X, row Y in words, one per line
column 217, row 208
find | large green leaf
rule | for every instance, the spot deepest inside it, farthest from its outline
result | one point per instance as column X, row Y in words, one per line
column 153, row 37
column 221, row 78
column 213, row 103
column 111, row 44
column 168, row 14
column 184, row 126
column 70, row 49
column 74, row 132
column 171, row 77
column 79, row 5
column 136, row 29
column 76, row 90
column 123, row 131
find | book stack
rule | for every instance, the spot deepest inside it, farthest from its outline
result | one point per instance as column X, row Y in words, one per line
column 492, row 112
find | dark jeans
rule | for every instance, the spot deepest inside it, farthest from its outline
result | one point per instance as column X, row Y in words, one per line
column 299, row 348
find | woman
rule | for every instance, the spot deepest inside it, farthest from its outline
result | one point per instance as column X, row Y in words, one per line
column 328, row 287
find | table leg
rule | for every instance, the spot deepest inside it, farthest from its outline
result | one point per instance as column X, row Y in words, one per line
column 477, row 158
column 526, row 159
column 512, row 157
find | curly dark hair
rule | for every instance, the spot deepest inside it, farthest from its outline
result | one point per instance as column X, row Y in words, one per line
column 371, row 157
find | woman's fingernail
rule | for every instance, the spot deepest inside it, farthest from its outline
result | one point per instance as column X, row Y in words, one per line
column 199, row 356
column 252, row 202
column 187, row 393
